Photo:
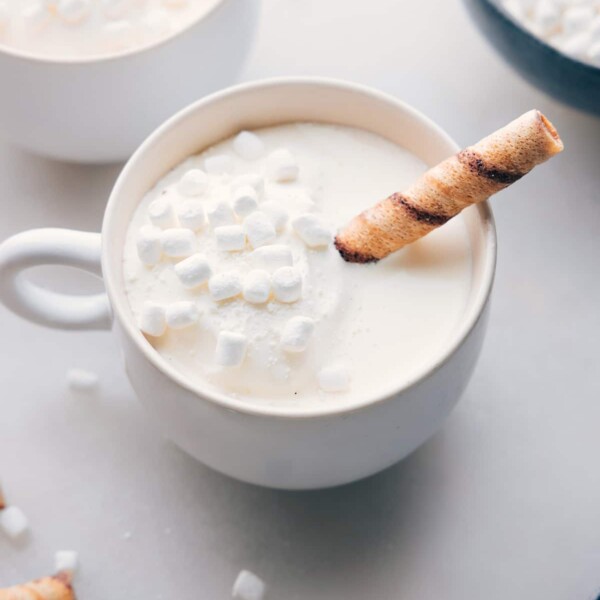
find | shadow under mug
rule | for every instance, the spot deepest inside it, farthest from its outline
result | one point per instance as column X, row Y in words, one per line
column 282, row 447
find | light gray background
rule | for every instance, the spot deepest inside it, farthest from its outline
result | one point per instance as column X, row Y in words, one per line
column 503, row 503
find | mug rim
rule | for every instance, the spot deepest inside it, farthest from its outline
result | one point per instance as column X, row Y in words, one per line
column 106, row 58
column 120, row 307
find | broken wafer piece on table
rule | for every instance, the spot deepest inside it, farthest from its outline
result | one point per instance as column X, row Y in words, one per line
column 56, row 587
column 469, row 177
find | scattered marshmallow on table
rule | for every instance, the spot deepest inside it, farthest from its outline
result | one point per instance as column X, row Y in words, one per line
column 193, row 183
column 180, row 315
column 334, row 378
column 257, row 286
column 273, row 257
column 277, row 214
column 259, row 229
column 190, row 214
column 312, row 230
column 221, row 214
column 252, row 179
column 152, row 319
column 248, row 145
column 296, row 334
column 224, row 285
column 287, row 284
column 13, row 522
column 231, row 349
column 82, row 380
column 66, row 561
column 281, row 166
column 245, row 200
column 178, row 242
column 148, row 243
column 218, row 164
column 193, row 271
column 230, row 238
column 248, row 586
column 161, row 213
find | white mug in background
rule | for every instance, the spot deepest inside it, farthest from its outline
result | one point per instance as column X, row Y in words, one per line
column 281, row 447
column 99, row 109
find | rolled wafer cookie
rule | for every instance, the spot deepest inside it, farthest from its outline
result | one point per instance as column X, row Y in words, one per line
column 57, row 587
column 470, row 176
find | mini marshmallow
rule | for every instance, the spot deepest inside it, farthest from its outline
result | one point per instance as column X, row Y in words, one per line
column 13, row 522
column 577, row 18
column 231, row 349
column 545, row 15
column 282, row 166
column 334, row 378
column 312, row 230
column 577, row 45
column 248, row 586
column 245, row 200
column 190, row 214
column 66, row 561
column 259, row 229
column 230, row 238
column 193, row 183
column 253, row 179
column 248, row 145
column 152, row 319
column 161, row 213
column 224, row 285
column 257, row 286
column 193, row 271
column 36, row 17
column 181, row 314
column 218, row 164
column 178, row 243
column 296, row 334
column 80, row 380
column 221, row 214
column 148, row 245
column 273, row 257
column 287, row 284
column 73, row 12
column 277, row 214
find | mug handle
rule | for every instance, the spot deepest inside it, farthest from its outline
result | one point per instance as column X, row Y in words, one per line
column 79, row 249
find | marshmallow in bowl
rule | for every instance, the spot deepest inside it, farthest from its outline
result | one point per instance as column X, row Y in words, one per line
column 245, row 200
column 161, row 213
column 180, row 315
column 231, row 349
column 224, row 285
column 178, row 242
column 193, row 271
column 273, row 257
column 257, row 286
column 248, row 145
column 252, row 179
column 148, row 244
column 297, row 333
column 571, row 26
column 287, row 284
column 152, row 320
column 259, row 229
column 193, row 183
column 277, row 213
column 221, row 214
column 312, row 230
column 190, row 214
column 230, row 238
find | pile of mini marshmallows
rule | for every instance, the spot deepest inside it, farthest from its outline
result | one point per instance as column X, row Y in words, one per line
column 111, row 15
column 571, row 26
column 237, row 225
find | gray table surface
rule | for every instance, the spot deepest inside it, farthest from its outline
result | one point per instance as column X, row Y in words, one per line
column 502, row 503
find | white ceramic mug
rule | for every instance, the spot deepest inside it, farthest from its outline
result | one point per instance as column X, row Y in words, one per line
column 98, row 110
column 272, row 446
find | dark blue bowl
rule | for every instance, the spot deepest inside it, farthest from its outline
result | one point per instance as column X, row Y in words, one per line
column 568, row 80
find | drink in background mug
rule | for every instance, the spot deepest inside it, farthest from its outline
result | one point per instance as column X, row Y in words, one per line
column 266, row 445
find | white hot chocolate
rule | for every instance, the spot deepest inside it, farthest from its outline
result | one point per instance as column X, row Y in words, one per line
column 92, row 28
column 231, row 273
